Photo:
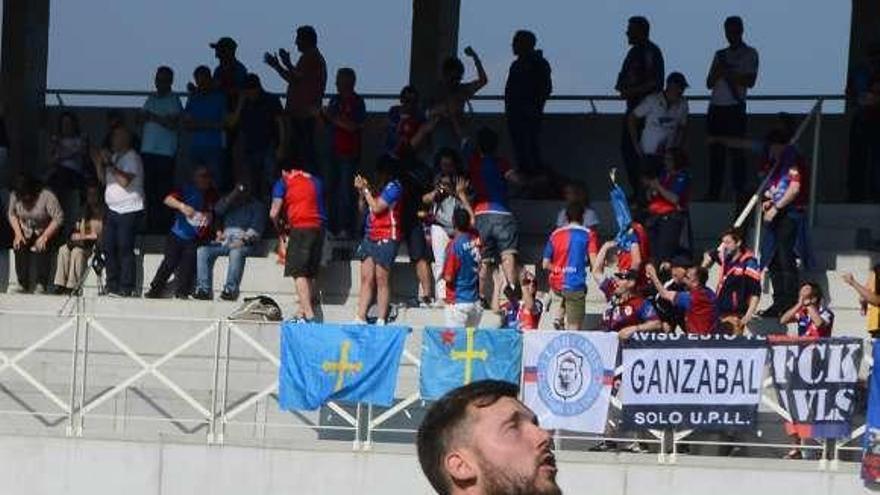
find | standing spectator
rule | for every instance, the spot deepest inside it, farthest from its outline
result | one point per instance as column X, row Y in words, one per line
column 869, row 298
column 697, row 301
column 567, row 255
column 576, row 192
column 298, row 209
column 204, row 117
column 528, row 86
column 66, row 178
column 306, row 83
column 673, row 316
column 259, row 142
column 668, row 200
column 734, row 70
column 863, row 91
column 627, row 312
column 450, row 192
column 813, row 317
column 448, row 108
column 665, row 116
column 194, row 215
column 36, row 218
column 640, row 75
column 407, row 126
column 381, row 237
column 160, row 116
column 346, row 113
column 495, row 222
column 461, row 273
column 229, row 75
column 243, row 218
column 523, row 309
column 73, row 256
column 122, row 174
column 6, row 237
column 5, row 168
column 739, row 284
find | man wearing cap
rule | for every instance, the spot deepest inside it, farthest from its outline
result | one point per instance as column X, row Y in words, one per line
column 665, row 116
column 306, row 83
column 697, row 301
column 734, row 70
column 627, row 312
column 230, row 73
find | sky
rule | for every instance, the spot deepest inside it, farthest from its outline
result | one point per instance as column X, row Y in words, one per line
column 116, row 44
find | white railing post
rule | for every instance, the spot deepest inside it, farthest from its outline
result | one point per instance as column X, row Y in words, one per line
column 215, row 385
column 74, row 362
column 814, row 172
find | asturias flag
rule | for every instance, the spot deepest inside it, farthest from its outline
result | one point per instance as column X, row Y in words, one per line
column 452, row 357
column 353, row 363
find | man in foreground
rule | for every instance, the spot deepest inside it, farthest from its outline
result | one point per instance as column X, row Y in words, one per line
column 479, row 439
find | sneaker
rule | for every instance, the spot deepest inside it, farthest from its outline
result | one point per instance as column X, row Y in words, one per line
column 603, row 446
column 23, row 290
column 202, row 295
column 117, row 295
column 635, row 448
column 153, row 293
column 485, row 303
column 427, row 302
column 182, row 296
column 40, row 289
column 229, row 296
column 558, row 325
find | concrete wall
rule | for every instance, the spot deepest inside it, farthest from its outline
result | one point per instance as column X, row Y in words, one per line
column 584, row 145
column 38, row 466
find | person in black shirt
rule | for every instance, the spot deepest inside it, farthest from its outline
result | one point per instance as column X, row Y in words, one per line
column 527, row 89
column 672, row 316
column 641, row 74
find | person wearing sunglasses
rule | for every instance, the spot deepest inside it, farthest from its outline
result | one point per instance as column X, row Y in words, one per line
column 627, row 311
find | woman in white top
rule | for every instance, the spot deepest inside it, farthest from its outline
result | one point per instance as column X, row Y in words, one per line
column 122, row 173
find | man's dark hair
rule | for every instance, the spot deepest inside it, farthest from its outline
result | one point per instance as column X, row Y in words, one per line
column 67, row 114
column 702, row 274
column 734, row 21
column 452, row 65
column 26, row 186
column 201, row 69
column 735, row 234
column 409, row 88
column 307, row 35
column 818, row 293
column 461, row 219
column 387, row 168
column 347, row 72
column 642, row 23
column 574, row 212
column 487, row 141
column 444, row 420
column 447, row 152
column 526, row 37
column 165, row 69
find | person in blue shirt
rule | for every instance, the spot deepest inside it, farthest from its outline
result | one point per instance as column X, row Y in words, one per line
column 194, row 205
column 243, row 217
column 204, row 118
column 461, row 273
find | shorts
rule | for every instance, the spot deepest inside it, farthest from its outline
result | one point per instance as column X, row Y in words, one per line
column 382, row 252
column 498, row 234
column 304, row 248
column 463, row 314
column 417, row 244
column 575, row 304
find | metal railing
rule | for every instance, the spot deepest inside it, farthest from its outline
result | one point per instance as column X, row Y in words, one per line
column 225, row 390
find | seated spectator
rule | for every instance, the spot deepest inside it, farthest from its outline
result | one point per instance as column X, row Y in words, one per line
column 566, row 256
column 346, row 113
column 73, row 256
column 668, row 201
column 489, row 174
column 122, row 174
column 697, row 301
column 204, row 117
column 665, row 116
column 811, row 314
column 160, row 117
column 450, row 192
column 66, row 177
column 449, row 105
column 575, row 192
column 526, row 91
column 627, row 312
column 461, row 273
column 671, row 315
column 243, row 218
column 382, row 234
column 36, row 218
column 522, row 310
column 869, row 298
column 193, row 206
column 739, row 286
column 261, row 136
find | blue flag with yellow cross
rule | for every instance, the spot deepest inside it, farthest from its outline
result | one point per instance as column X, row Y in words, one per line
column 452, row 357
column 330, row 362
